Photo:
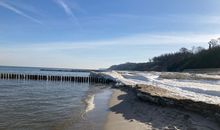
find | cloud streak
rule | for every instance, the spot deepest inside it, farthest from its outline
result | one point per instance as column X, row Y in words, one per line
column 68, row 10
column 19, row 12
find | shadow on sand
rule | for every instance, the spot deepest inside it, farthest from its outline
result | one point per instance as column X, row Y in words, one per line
column 163, row 118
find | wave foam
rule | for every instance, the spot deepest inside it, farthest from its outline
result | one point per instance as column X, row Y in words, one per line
column 190, row 76
column 90, row 103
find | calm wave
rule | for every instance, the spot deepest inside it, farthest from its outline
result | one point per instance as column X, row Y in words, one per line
column 42, row 105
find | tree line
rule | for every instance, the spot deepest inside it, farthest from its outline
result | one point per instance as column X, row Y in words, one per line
column 195, row 58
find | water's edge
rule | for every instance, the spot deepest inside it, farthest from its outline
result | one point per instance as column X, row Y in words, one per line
column 96, row 109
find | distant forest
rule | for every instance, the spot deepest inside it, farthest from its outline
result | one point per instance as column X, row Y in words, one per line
column 195, row 58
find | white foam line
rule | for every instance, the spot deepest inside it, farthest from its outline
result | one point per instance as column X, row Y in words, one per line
column 90, row 103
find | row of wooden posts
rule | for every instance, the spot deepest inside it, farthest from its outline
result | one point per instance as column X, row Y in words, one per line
column 88, row 79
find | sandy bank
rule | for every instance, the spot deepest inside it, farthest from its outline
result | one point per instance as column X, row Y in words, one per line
column 195, row 87
column 127, row 112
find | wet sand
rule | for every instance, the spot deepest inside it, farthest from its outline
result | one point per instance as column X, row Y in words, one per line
column 95, row 118
column 127, row 112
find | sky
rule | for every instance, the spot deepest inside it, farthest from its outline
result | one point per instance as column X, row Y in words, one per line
column 96, row 34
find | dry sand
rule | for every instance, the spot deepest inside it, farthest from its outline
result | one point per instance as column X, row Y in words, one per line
column 126, row 112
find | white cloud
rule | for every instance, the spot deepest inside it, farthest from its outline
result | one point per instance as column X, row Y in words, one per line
column 19, row 12
column 55, row 54
column 183, row 39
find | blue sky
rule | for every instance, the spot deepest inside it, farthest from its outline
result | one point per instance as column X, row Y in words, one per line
column 100, row 33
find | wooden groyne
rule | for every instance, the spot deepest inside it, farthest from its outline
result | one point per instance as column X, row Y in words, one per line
column 81, row 79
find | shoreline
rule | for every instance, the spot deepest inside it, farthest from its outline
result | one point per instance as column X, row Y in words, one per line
column 96, row 110
column 126, row 111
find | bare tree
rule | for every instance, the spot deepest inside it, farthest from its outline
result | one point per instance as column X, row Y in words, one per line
column 184, row 50
column 213, row 43
column 218, row 40
column 196, row 50
column 199, row 49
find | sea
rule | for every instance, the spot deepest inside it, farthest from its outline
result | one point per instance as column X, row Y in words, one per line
column 51, row 105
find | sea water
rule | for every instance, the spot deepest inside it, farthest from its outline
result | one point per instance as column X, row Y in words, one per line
column 46, row 105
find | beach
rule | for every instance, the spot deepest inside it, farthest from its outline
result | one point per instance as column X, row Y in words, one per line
column 126, row 111
column 130, row 101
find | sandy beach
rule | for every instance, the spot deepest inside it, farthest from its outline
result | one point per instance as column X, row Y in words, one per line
column 127, row 112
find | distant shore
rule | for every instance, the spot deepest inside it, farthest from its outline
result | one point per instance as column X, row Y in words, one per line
column 126, row 111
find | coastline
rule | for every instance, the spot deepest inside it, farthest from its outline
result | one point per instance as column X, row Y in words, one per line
column 126, row 111
column 96, row 110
